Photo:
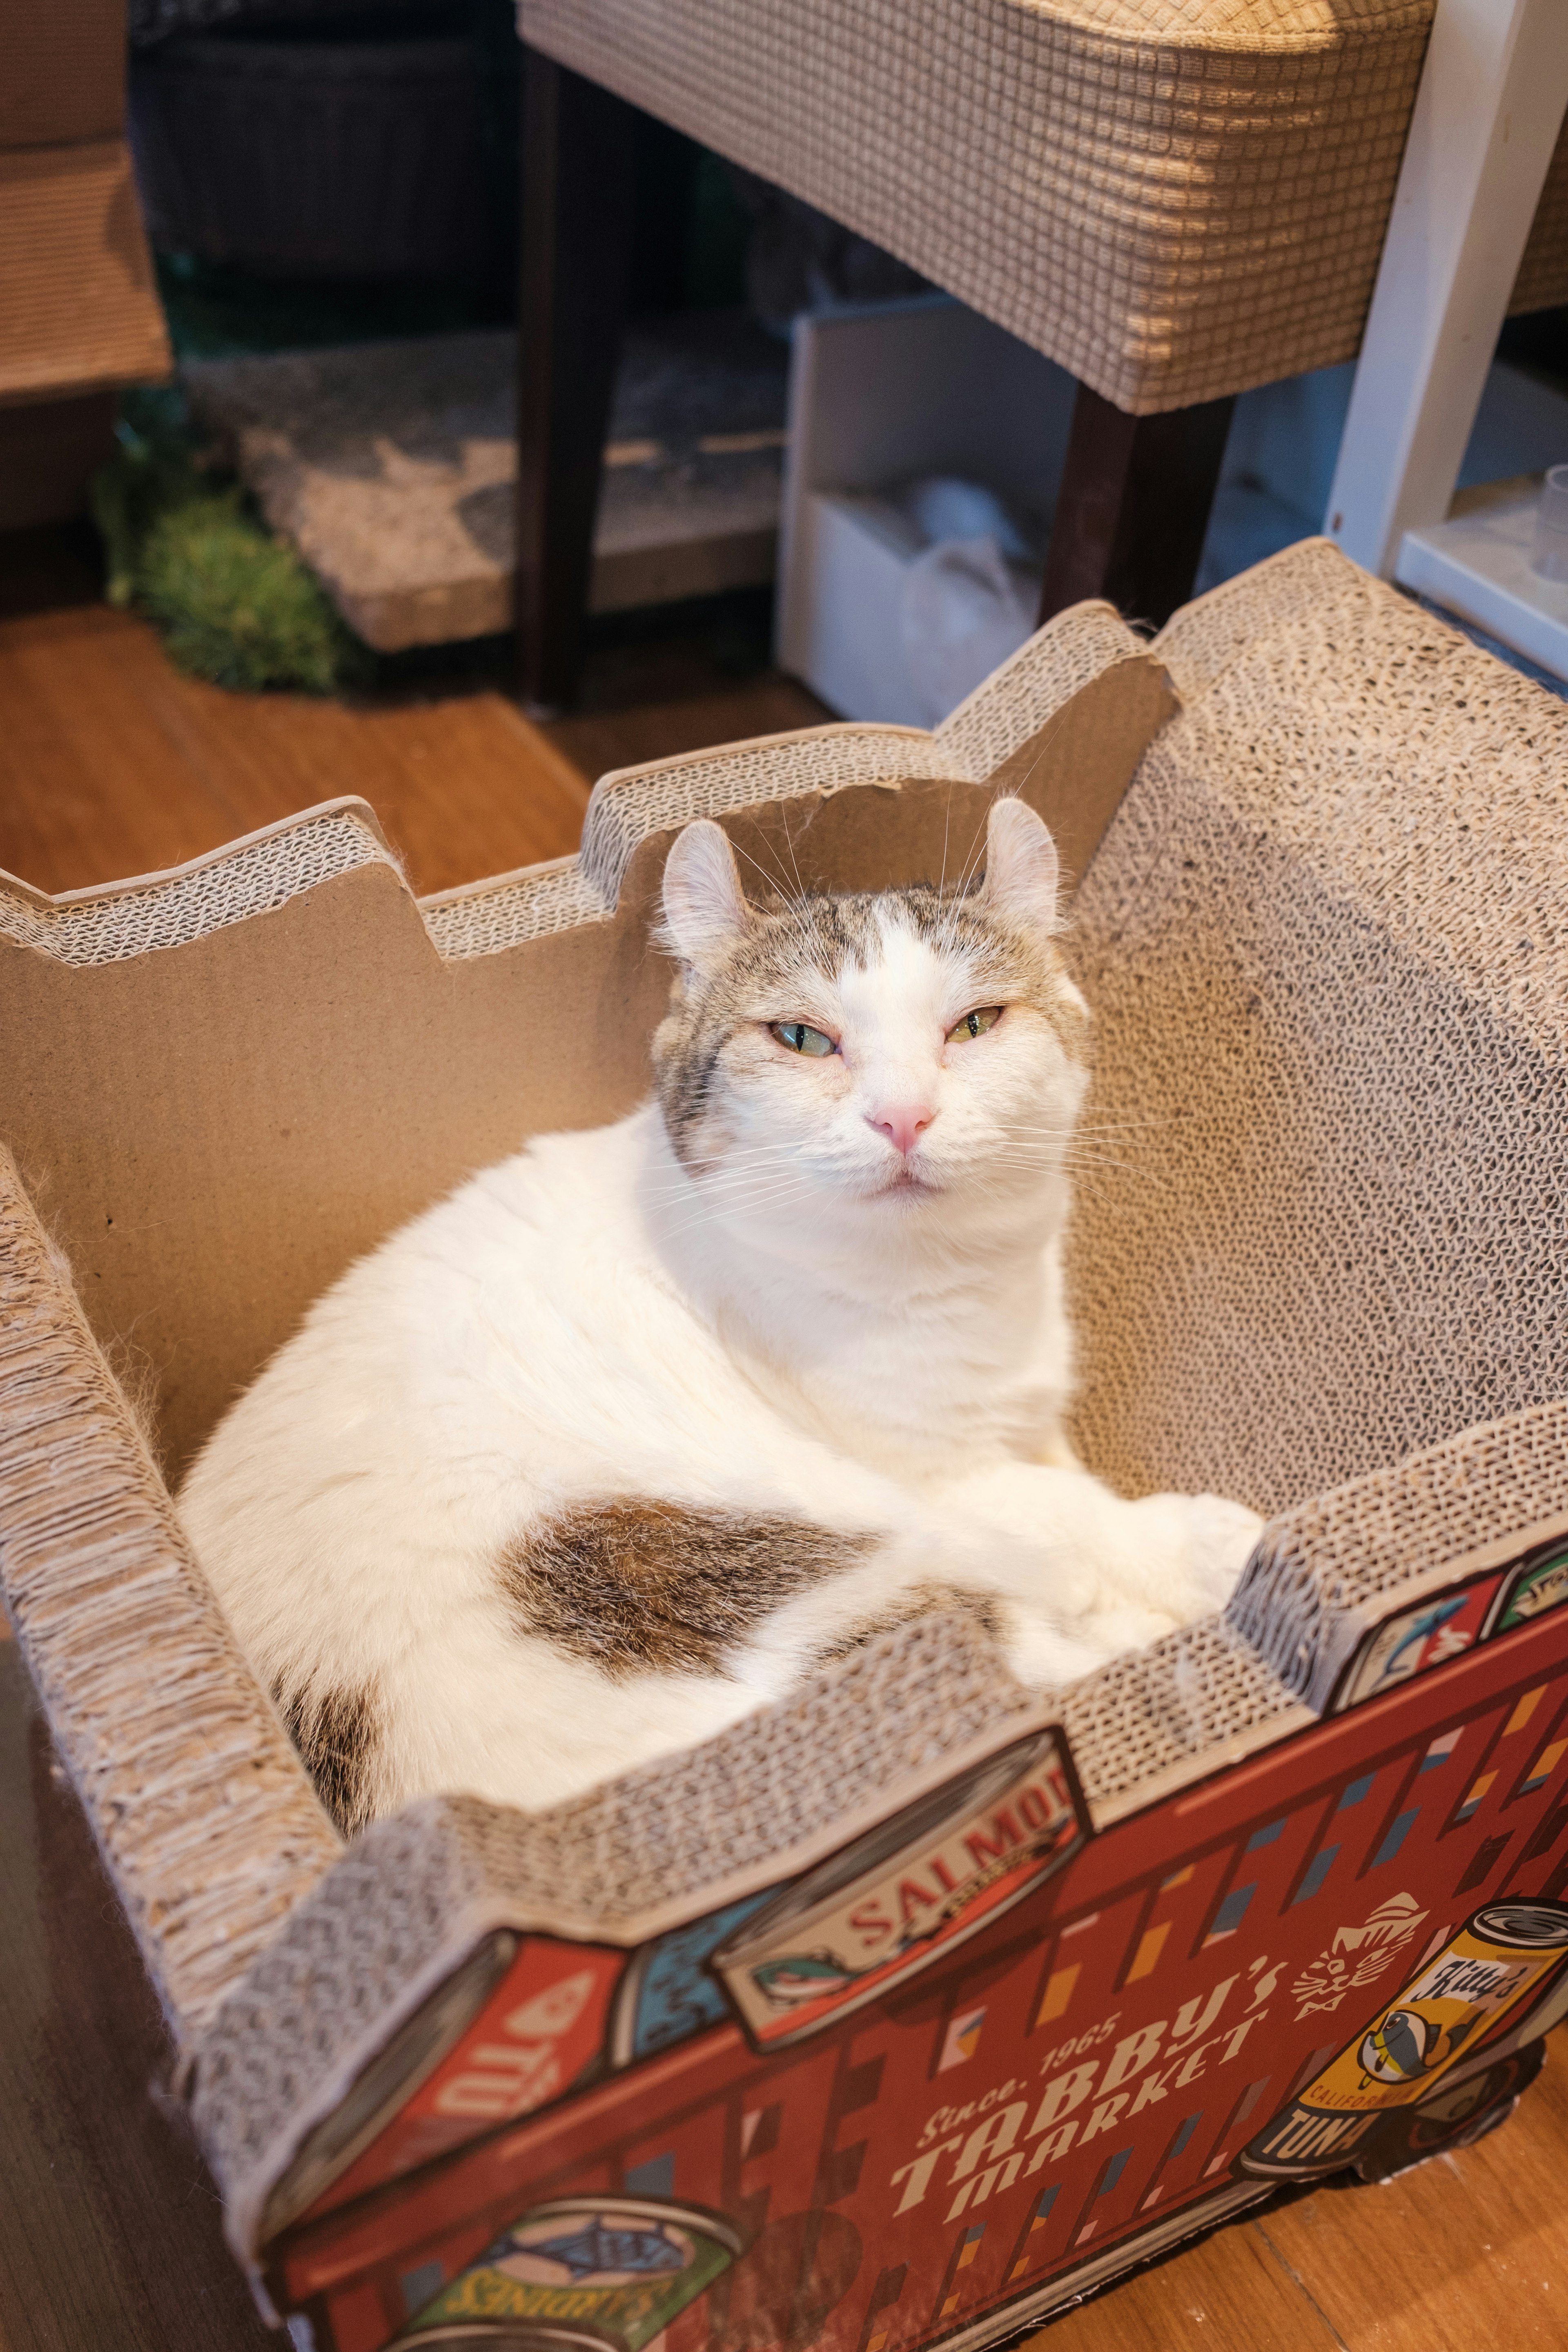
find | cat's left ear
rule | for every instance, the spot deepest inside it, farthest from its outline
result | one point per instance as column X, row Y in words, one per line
column 1022, row 869
column 705, row 909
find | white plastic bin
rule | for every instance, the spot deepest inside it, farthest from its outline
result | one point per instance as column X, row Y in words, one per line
column 881, row 394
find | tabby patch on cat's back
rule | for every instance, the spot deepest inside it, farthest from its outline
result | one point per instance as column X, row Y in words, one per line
column 650, row 1584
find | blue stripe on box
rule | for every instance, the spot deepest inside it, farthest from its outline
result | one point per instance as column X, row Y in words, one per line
column 1233, row 1910
column 1397, row 1836
column 654, row 2179
column 1318, row 1870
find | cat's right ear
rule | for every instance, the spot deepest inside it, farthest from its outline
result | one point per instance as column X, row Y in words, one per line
column 1021, row 869
column 705, row 909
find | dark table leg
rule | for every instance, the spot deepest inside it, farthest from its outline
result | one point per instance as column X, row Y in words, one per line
column 1133, row 506
column 577, row 168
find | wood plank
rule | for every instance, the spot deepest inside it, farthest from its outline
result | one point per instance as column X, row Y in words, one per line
column 1469, row 2249
column 113, row 763
column 622, row 737
column 1227, row 2293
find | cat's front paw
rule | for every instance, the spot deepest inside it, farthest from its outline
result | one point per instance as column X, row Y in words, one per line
column 1220, row 1535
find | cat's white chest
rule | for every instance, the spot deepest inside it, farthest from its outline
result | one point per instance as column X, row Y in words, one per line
column 926, row 1389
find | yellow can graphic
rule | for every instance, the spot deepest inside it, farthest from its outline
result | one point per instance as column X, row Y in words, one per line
column 1497, row 1960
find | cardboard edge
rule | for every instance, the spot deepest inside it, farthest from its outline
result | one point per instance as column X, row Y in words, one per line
column 460, row 891
column 138, row 885
column 603, row 851
column 245, row 2198
column 1204, row 624
column 1220, row 1755
column 613, row 778
column 1059, row 623
column 74, row 1705
column 1327, row 1691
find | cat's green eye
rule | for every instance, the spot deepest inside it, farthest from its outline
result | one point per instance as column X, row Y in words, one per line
column 974, row 1024
column 801, row 1038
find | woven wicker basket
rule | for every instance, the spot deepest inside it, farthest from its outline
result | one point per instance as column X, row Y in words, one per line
column 300, row 155
column 151, row 21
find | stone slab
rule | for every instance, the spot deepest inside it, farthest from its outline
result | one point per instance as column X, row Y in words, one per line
column 392, row 467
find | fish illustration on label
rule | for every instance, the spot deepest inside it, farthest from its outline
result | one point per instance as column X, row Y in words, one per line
column 1441, row 1628
column 1538, row 1586
column 907, row 1892
column 595, row 2274
column 1500, row 1957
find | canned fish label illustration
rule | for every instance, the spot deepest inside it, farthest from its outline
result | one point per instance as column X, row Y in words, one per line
column 601, row 2274
column 1501, row 1955
column 1539, row 1585
column 1444, row 1626
column 667, row 1994
column 906, row 1894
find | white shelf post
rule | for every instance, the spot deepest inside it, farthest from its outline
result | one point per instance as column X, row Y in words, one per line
column 1491, row 101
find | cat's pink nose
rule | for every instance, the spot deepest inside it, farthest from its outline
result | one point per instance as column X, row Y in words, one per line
column 903, row 1124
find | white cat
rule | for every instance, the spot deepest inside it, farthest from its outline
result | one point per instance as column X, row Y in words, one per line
column 619, row 1440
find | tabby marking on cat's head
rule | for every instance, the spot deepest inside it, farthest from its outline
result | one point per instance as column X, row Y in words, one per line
column 892, row 1055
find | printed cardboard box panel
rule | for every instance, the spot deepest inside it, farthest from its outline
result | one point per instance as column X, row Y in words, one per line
column 1292, row 1975
column 912, row 2007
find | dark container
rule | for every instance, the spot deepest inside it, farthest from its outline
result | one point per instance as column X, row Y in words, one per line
column 318, row 152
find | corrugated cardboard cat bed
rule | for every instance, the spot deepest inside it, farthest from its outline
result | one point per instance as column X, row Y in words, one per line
column 919, row 2004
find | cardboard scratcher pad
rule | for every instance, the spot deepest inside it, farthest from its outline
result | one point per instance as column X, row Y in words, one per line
column 222, row 1084
column 1326, row 943
column 78, row 302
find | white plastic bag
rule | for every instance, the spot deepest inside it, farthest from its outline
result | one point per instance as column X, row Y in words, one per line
column 964, row 609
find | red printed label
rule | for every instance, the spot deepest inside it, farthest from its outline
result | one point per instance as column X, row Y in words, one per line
column 534, row 2035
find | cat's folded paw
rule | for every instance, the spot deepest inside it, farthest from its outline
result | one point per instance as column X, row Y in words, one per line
column 1221, row 1535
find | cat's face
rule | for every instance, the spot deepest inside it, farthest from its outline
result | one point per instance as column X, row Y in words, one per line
column 891, row 1062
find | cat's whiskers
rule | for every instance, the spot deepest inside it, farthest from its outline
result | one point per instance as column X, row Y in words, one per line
column 751, row 1159
column 719, row 1188
column 796, row 902
column 707, row 1213
column 947, row 928
column 716, row 1200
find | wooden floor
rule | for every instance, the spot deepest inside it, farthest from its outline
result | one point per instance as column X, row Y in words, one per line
column 111, row 764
